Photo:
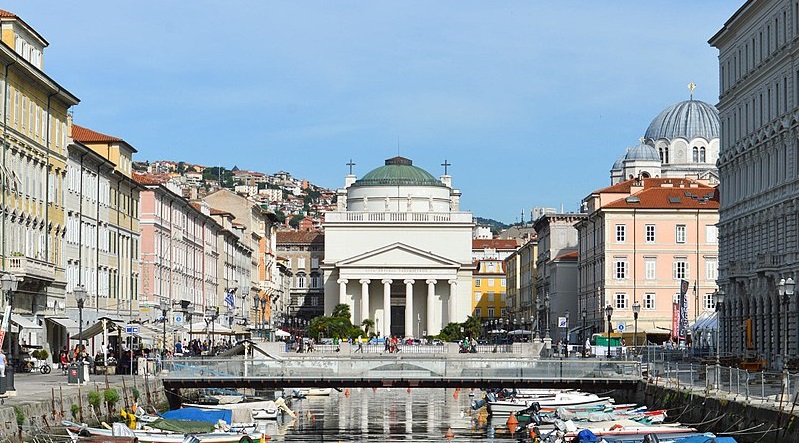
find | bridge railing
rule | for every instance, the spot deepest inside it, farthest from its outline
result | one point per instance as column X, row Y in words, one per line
column 395, row 366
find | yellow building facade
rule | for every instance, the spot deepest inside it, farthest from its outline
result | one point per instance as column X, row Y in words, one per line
column 489, row 292
column 35, row 128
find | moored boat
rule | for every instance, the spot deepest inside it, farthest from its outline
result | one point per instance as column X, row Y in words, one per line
column 161, row 436
column 568, row 399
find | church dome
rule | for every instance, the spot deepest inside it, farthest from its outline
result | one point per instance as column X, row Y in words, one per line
column 398, row 171
column 687, row 119
column 618, row 165
column 642, row 152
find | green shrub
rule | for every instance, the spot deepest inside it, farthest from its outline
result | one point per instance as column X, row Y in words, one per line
column 111, row 396
column 75, row 409
column 20, row 415
column 94, row 399
column 136, row 394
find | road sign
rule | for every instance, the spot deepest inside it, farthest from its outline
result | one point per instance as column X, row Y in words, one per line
column 178, row 318
column 131, row 329
column 563, row 322
column 620, row 327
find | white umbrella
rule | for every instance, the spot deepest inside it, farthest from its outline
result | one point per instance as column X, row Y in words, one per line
column 282, row 333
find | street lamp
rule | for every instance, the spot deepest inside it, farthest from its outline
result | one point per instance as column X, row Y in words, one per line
column 719, row 300
column 636, row 311
column 256, row 303
column 211, row 313
column 418, row 324
column 546, row 313
column 584, row 314
column 164, row 309
column 80, row 297
column 609, row 315
column 9, row 285
column 786, row 290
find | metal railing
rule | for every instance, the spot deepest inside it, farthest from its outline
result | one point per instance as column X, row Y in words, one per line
column 780, row 388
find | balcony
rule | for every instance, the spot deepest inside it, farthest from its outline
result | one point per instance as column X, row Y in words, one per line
column 769, row 262
column 737, row 269
column 397, row 217
column 30, row 268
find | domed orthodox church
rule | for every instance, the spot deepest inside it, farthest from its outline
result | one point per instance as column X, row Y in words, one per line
column 398, row 250
column 682, row 141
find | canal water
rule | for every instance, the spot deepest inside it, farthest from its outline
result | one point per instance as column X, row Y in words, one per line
column 387, row 415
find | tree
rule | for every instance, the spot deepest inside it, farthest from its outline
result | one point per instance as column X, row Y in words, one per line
column 295, row 221
column 341, row 310
column 367, row 325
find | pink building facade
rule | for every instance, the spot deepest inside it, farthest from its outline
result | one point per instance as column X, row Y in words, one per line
column 179, row 249
column 642, row 238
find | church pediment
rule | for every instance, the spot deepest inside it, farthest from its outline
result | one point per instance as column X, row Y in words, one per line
column 397, row 255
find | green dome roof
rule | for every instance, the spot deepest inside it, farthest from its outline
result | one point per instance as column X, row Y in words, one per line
column 398, row 171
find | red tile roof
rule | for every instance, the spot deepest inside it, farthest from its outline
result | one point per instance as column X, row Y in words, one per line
column 300, row 237
column 702, row 197
column 573, row 255
column 11, row 15
column 146, row 179
column 86, row 135
column 494, row 243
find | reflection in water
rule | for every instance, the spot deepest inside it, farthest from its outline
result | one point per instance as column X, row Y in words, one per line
column 386, row 415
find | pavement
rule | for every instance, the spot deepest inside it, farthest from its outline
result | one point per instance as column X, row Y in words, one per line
column 34, row 386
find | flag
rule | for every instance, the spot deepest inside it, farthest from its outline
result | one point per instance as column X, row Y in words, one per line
column 230, row 302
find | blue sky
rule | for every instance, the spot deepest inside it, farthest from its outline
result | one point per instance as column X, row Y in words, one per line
column 530, row 101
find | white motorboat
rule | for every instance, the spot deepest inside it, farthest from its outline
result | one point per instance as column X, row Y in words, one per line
column 564, row 399
column 159, row 436
column 261, row 410
column 311, row 392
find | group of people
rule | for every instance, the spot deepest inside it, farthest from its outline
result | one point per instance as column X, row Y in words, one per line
column 201, row 347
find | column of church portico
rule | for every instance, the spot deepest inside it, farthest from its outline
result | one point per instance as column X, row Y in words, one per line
column 409, row 308
column 453, row 290
column 364, row 299
column 431, row 304
column 386, row 307
column 342, row 295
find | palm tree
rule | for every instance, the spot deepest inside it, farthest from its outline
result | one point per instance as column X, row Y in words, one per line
column 367, row 325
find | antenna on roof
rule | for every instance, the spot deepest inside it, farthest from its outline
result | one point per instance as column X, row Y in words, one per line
column 692, row 86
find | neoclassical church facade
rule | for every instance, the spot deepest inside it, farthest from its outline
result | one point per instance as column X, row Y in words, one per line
column 398, row 250
column 681, row 142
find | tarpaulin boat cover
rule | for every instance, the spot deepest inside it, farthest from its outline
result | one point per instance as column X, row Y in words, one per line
column 197, row 414
column 586, row 436
column 705, row 439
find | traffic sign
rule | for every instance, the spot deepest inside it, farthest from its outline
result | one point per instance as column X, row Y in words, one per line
column 620, row 327
column 178, row 318
column 562, row 322
column 131, row 329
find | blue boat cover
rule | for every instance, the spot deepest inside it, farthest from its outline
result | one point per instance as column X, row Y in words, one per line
column 586, row 436
column 197, row 414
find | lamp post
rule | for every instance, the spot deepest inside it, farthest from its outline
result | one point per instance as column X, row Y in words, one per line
column 609, row 315
column 256, row 302
column 164, row 310
column 80, row 297
column 719, row 300
column 9, row 285
column 636, row 311
column 584, row 314
column 418, row 324
column 211, row 313
column 786, row 290
column 546, row 313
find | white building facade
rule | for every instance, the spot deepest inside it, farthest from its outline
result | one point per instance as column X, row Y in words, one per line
column 398, row 251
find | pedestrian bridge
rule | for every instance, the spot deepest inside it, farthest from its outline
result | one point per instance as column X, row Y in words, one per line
column 398, row 370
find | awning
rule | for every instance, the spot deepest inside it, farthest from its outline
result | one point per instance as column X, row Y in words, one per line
column 25, row 322
column 97, row 328
column 65, row 322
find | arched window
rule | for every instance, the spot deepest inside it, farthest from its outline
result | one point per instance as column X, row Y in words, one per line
column 702, row 155
column 644, row 174
column 301, row 280
column 696, row 155
column 665, row 155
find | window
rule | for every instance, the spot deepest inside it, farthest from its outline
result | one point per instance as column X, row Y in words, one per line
column 491, row 297
column 708, row 302
column 502, row 282
column 490, row 282
column 620, row 269
column 478, row 313
column 477, row 283
column 711, row 234
column 649, row 301
column 681, row 269
column 300, row 262
column 680, row 234
column 477, row 296
column 301, row 280
column 650, row 268
column 621, row 233
column 649, row 231
column 711, row 269
column 316, row 281
column 490, row 313
column 314, row 263
column 621, row 300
